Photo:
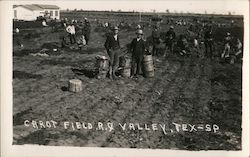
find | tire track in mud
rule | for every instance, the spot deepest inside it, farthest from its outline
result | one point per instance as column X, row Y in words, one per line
column 155, row 108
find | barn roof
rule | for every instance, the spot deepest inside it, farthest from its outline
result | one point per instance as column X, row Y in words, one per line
column 38, row 7
column 44, row 6
column 31, row 7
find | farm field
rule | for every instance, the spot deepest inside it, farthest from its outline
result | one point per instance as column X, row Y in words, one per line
column 185, row 94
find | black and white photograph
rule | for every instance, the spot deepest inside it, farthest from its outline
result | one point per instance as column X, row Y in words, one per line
column 137, row 75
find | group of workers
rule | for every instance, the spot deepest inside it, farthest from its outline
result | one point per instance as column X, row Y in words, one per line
column 231, row 47
column 78, row 33
column 139, row 46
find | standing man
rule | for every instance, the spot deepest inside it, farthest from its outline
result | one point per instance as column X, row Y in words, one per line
column 170, row 37
column 209, row 42
column 138, row 48
column 227, row 46
column 86, row 30
column 182, row 45
column 238, row 49
column 112, row 46
column 156, row 40
column 72, row 33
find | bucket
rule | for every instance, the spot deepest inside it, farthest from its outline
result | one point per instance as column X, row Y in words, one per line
column 102, row 66
column 148, row 66
column 102, row 63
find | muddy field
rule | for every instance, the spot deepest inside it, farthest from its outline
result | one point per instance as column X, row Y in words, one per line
column 193, row 91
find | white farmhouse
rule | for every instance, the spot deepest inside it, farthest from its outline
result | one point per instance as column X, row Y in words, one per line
column 31, row 12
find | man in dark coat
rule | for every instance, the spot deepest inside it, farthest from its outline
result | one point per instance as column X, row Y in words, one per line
column 182, row 45
column 86, row 30
column 137, row 47
column 209, row 42
column 170, row 37
column 156, row 40
column 112, row 46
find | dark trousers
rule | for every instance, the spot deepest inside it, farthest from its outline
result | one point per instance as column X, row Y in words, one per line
column 136, row 68
column 114, row 61
column 87, row 36
column 72, row 38
column 155, row 50
column 156, row 42
column 169, row 45
column 209, row 49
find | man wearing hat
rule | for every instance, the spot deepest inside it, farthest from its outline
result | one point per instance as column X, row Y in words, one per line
column 71, row 31
column 137, row 47
column 86, row 30
column 112, row 45
column 209, row 42
column 156, row 39
column 227, row 47
column 170, row 37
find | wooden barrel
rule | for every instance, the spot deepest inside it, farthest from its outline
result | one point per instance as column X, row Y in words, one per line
column 126, row 72
column 125, row 64
column 148, row 66
column 75, row 85
column 102, row 67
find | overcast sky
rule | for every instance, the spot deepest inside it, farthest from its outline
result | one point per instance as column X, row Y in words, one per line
column 196, row 6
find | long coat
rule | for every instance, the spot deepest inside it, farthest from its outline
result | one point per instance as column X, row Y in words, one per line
column 111, row 43
column 138, row 48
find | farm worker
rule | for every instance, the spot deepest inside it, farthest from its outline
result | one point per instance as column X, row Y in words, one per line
column 209, row 42
column 53, row 24
column 182, row 45
column 112, row 45
column 156, row 40
column 18, row 38
column 238, row 48
column 86, row 30
column 81, row 42
column 64, row 43
column 44, row 23
column 17, row 30
column 71, row 31
column 237, row 51
column 227, row 47
column 170, row 37
column 138, row 27
column 106, row 24
column 137, row 47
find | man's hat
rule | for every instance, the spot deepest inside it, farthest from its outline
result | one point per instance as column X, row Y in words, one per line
column 139, row 31
column 115, row 28
column 171, row 27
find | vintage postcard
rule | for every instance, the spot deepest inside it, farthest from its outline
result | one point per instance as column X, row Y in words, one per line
column 125, row 78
